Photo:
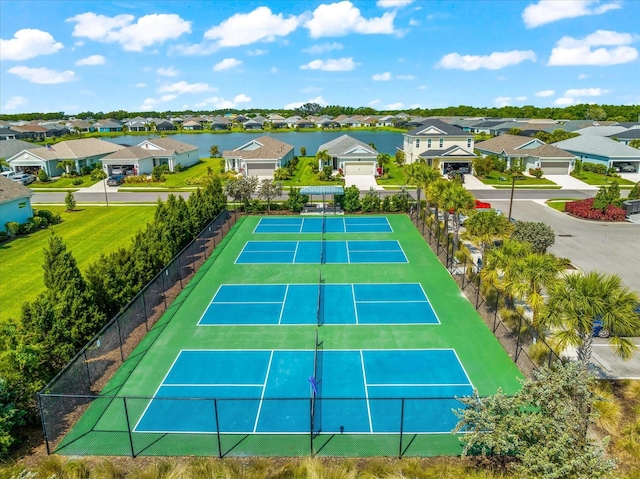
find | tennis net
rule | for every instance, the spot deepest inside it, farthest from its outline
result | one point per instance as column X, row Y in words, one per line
column 322, row 239
column 315, row 387
column 319, row 305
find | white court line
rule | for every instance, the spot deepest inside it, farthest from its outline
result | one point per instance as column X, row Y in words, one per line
column 295, row 253
column 355, row 306
column 462, row 366
column 395, row 301
column 383, row 385
column 366, row 392
column 284, row 301
column 346, row 247
column 239, row 385
column 264, row 388
column 247, row 302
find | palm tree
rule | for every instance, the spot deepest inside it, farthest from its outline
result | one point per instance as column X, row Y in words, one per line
column 422, row 176
column 457, row 200
column 485, row 227
column 582, row 298
column 497, row 260
column 434, row 193
column 323, row 157
column 384, row 160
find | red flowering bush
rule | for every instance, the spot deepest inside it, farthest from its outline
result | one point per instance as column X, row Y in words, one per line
column 584, row 209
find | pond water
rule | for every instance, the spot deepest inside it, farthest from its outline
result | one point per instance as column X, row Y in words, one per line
column 384, row 141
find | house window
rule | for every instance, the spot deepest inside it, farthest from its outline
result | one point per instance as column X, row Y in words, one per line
column 441, row 142
column 468, row 142
column 417, row 142
column 22, row 204
column 429, row 143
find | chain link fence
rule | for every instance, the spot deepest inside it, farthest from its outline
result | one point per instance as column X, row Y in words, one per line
column 64, row 400
column 517, row 335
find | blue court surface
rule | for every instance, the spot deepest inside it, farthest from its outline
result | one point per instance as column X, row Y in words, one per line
column 263, row 391
column 315, row 252
column 278, row 304
column 283, row 224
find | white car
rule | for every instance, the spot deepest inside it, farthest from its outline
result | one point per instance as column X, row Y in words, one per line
column 8, row 174
column 23, row 178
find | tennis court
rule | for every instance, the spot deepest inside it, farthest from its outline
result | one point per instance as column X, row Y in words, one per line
column 290, row 304
column 360, row 224
column 321, row 252
column 261, row 377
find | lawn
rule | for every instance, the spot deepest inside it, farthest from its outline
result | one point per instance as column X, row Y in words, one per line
column 179, row 180
column 494, row 178
column 87, row 232
column 396, row 175
column 304, row 175
column 559, row 203
column 65, row 182
column 598, row 179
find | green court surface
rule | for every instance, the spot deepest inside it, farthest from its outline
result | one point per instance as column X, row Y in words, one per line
column 104, row 428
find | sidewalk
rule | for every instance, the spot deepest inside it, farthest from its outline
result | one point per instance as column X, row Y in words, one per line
column 568, row 182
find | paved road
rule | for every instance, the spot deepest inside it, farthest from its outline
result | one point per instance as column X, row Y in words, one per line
column 607, row 247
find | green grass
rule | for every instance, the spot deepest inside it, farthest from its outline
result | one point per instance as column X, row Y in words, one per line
column 179, row 180
column 494, row 179
column 559, row 203
column 304, row 176
column 65, row 182
column 396, row 175
column 485, row 361
column 87, row 232
column 597, row 179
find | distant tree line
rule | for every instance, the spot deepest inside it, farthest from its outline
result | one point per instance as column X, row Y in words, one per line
column 574, row 112
column 75, row 306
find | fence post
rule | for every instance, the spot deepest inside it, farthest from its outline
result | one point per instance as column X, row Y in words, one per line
column 44, row 424
column 215, row 408
column 478, row 292
column 144, row 308
column 165, row 272
column 518, row 341
column 126, row 414
column 401, row 428
column 86, row 367
column 180, row 271
column 120, row 337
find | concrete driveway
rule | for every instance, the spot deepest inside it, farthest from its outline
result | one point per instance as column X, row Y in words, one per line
column 363, row 182
column 589, row 245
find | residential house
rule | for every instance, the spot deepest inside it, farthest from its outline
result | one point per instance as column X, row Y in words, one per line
column 601, row 130
column 107, row 126
column 220, row 124
column 80, row 126
column 165, row 125
column 83, row 152
column 327, row 123
column 259, row 157
column 350, row 155
column 304, row 123
column 252, row 125
column 387, row 120
column 10, row 148
column 192, row 125
column 142, row 158
column 292, row 121
column 446, row 147
column 7, row 134
column 628, row 136
column 15, row 202
column 528, row 153
column 602, row 151
column 31, row 132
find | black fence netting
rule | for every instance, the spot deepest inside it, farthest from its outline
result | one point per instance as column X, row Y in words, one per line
column 72, row 390
column 514, row 331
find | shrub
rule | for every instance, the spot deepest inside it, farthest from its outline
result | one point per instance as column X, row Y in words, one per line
column 371, row 202
column 77, row 181
column 178, row 168
column 70, row 201
column 314, row 167
column 223, row 165
column 351, row 199
column 296, row 201
column 39, row 222
column 539, row 235
column 303, row 151
column 4, row 236
column 12, row 228
column 26, row 228
column 157, row 174
column 585, row 209
column 281, row 174
column 500, row 165
column 634, row 194
column 86, row 170
column 42, row 175
column 537, row 172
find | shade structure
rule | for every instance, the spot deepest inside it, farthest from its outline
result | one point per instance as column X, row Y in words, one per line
column 322, row 190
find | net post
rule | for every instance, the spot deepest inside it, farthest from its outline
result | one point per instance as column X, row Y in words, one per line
column 401, row 427
column 215, row 409
column 126, row 415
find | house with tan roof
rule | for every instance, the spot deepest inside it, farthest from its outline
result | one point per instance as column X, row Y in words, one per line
column 259, row 157
column 83, row 152
column 350, row 155
column 15, row 202
column 529, row 153
column 142, row 158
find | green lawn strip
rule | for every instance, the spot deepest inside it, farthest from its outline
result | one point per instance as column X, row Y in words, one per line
column 494, row 179
column 179, row 180
column 528, row 187
column 559, row 203
column 485, row 361
column 597, row 179
column 87, row 232
column 304, row 176
column 396, row 175
column 64, row 182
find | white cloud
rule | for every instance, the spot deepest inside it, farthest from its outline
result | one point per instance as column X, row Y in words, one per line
column 583, row 76
column 92, row 60
column 405, row 77
column 226, row 64
column 502, row 78
column 323, row 48
column 502, row 101
column 242, row 98
column 292, row 106
column 572, row 51
column 547, row 11
column 562, row 101
column 150, row 103
column 221, row 103
column 413, row 23
column 394, row 106
column 28, row 43
column 343, row 18
column 422, row 87
column 148, row 30
column 14, row 102
column 274, row 70
column 167, row 72
column 393, row 3
column 79, row 43
column 386, row 76
column 495, row 61
column 260, row 25
column 374, row 102
column 257, row 52
column 339, row 65
column 141, row 85
column 545, row 93
column 182, row 87
column 575, row 92
column 43, row 76
column 521, row 98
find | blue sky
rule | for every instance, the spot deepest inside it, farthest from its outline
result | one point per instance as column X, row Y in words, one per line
column 388, row 54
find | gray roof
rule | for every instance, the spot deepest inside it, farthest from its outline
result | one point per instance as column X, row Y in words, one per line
column 601, row 130
column 131, row 153
column 630, row 134
column 447, row 152
column 8, row 148
column 12, row 190
column 343, row 144
column 440, row 125
column 597, row 145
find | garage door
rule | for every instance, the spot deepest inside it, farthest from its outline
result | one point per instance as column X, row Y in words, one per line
column 264, row 168
column 555, row 167
column 359, row 169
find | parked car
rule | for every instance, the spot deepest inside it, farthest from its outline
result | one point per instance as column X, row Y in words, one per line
column 24, row 178
column 456, row 174
column 115, row 180
column 601, row 332
column 8, row 174
column 628, row 168
column 117, row 170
